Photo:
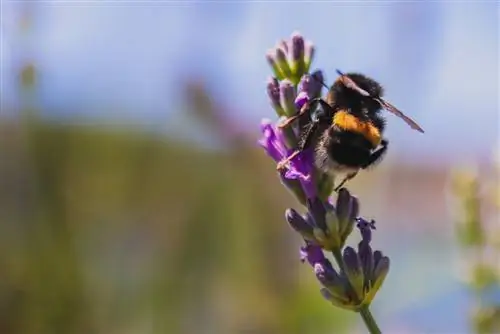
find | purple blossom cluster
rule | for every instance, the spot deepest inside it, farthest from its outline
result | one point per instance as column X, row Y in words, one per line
column 326, row 223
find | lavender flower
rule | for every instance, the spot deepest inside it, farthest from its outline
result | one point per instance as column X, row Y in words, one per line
column 300, row 169
column 326, row 223
column 291, row 58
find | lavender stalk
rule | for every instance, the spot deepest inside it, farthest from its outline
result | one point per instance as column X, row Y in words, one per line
column 326, row 223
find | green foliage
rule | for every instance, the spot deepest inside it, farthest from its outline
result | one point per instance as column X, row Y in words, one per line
column 477, row 240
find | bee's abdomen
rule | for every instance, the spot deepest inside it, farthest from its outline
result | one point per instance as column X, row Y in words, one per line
column 341, row 150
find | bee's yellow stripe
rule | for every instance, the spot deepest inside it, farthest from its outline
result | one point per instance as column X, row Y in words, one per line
column 349, row 122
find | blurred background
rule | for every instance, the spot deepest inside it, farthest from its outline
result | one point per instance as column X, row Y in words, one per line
column 133, row 197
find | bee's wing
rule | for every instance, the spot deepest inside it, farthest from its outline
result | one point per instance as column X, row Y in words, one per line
column 389, row 107
column 349, row 83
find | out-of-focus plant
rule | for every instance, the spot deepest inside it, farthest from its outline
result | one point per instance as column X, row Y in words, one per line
column 327, row 223
column 478, row 231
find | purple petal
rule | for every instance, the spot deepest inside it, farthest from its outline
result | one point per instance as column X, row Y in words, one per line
column 300, row 167
column 313, row 254
column 301, row 99
column 272, row 141
column 295, row 174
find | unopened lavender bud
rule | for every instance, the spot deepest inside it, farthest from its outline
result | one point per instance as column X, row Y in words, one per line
column 308, row 54
column 273, row 91
column 274, row 65
column 332, row 225
column 337, row 301
column 321, row 238
column 299, row 224
column 354, row 271
column 377, row 256
column 282, row 61
column 347, row 210
column 381, row 269
column 310, row 84
column 380, row 272
column 367, row 262
column 317, row 83
column 297, row 56
column 294, row 187
column 332, row 281
column 287, row 97
column 284, row 45
column 317, row 211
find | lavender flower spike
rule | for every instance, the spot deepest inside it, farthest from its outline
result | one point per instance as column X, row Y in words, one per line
column 326, row 224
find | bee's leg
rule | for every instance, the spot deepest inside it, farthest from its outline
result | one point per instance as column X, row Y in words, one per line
column 290, row 120
column 304, row 143
column 349, row 176
column 305, row 109
column 378, row 155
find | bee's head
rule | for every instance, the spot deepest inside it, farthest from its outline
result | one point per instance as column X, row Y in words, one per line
column 348, row 98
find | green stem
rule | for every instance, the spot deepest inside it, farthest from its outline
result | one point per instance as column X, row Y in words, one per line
column 365, row 312
column 370, row 322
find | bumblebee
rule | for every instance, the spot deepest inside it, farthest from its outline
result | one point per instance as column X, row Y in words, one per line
column 347, row 130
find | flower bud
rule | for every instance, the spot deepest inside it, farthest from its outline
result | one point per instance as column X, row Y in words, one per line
column 347, row 210
column 273, row 91
column 331, row 280
column 337, row 301
column 299, row 224
column 287, row 97
column 354, row 271
column 296, row 56
column 367, row 262
column 274, row 65
column 380, row 272
column 282, row 62
column 294, row 187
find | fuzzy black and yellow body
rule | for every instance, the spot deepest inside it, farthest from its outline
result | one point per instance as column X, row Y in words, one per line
column 347, row 129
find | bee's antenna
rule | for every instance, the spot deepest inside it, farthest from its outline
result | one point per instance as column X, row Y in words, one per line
column 320, row 81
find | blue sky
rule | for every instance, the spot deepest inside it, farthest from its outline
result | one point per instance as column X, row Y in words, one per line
column 437, row 60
